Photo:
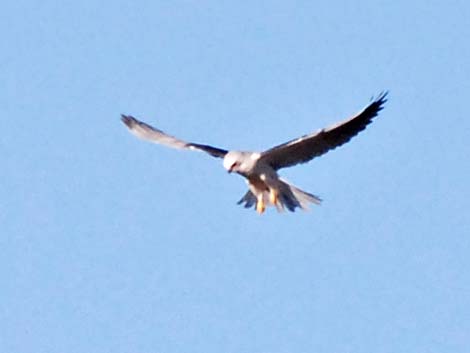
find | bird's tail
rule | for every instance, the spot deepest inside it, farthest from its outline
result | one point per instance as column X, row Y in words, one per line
column 288, row 196
column 292, row 197
column 249, row 200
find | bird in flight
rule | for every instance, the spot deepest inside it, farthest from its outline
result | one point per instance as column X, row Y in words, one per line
column 260, row 169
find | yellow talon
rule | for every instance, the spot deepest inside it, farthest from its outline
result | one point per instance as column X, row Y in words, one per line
column 273, row 196
column 260, row 207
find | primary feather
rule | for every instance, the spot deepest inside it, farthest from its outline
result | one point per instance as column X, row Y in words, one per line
column 305, row 148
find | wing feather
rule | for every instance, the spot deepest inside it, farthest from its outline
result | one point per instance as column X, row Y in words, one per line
column 149, row 133
column 305, row 148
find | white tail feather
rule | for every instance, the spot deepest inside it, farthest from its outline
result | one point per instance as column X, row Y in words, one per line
column 289, row 197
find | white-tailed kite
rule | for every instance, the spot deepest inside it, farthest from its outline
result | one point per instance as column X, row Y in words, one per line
column 266, row 188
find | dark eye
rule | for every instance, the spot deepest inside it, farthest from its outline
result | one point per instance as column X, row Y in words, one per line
column 235, row 164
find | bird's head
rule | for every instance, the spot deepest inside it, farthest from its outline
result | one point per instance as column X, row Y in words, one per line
column 240, row 162
column 232, row 161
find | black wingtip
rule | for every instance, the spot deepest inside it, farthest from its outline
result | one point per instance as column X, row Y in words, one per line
column 377, row 103
column 382, row 97
column 128, row 120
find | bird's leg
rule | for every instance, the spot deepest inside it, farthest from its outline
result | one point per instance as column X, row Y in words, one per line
column 274, row 199
column 273, row 196
column 260, row 206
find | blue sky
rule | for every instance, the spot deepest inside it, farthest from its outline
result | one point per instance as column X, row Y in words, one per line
column 111, row 244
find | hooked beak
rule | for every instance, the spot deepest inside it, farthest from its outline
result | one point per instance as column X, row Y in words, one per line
column 232, row 167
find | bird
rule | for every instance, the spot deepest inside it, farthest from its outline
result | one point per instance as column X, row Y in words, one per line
column 260, row 169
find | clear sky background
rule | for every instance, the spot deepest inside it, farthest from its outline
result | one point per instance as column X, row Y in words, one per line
column 111, row 244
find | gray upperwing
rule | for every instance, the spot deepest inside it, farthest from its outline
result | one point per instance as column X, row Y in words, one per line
column 305, row 148
column 152, row 134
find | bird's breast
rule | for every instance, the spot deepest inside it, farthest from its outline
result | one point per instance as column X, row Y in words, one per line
column 257, row 182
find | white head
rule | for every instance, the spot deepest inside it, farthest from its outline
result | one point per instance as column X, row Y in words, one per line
column 240, row 162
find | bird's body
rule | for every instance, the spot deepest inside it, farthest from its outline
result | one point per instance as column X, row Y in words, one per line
column 260, row 169
column 266, row 188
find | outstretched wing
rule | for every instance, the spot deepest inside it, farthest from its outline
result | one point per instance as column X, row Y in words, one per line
column 307, row 147
column 149, row 133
